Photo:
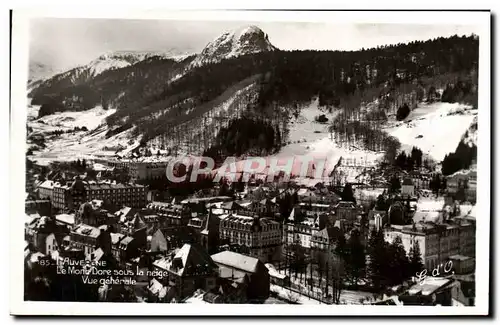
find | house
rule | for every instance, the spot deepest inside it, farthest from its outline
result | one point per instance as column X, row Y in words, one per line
column 94, row 214
column 45, row 189
column 437, row 242
column 44, row 234
column 408, row 188
column 377, row 219
column 210, row 236
column 118, row 194
column 244, row 268
column 300, row 232
column 463, row 184
column 127, row 249
column 196, row 224
column 115, row 248
column 276, row 277
column 431, row 291
column 325, row 238
column 346, row 210
column 463, row 264
column 67, row 220
column 168, row 238
column 255, row 236
column 88, row 238
column 188, row 269
column 231, row 207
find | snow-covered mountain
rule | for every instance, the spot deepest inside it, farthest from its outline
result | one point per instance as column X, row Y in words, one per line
column 108, row 61
column 245, row 40
column 121, row 59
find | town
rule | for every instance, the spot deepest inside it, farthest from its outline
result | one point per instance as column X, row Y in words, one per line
column 404, row 235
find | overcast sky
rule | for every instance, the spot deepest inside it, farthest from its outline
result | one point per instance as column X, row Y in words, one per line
column 64, row 43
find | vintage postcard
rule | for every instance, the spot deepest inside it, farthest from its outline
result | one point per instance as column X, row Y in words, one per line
column 312, row 163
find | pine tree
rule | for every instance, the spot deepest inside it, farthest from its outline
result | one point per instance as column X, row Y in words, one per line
column 377, row 254
column 415, row 259
column 348, row 193
column 381, row 203
column 395, row 184
column 398, row 267
column 355, row 261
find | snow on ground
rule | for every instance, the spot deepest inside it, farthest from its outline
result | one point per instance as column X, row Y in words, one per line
column 287, row 294
column 434, row 128
column 367, row 193
column 33, row 112
column 91, row 119
column 430, row 204
column 429, row 209
column 309, row 138
column 83, row 144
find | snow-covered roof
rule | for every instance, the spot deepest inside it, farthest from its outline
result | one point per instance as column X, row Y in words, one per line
column 429, row 285
column 66, row 218
column 236, row 260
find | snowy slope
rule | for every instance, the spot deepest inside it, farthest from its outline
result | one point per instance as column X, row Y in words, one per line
column 310, row 140
column 246, row 40
column 105, row 62
column 68, row 120
column 89, row 144
column 121, row 59
column 434, row 128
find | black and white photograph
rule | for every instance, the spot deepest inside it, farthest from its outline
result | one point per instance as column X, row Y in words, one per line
column 308, row 162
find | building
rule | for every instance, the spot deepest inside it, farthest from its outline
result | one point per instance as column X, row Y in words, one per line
column 463, row 183
column 437, row 242
column 93, row 214
column 210, row 236
column 170, row 214
column 132, row 195
column 168, row 238
column 300, row 232
column 255, row 236
column 147, row 170
column 45, row 234
column 313, row 209
column 45, row 189
column 61, row 196
column 463, row 264
column 237, row 266
column 232, row 207
column 88, row 238
column 44, row 207
column 377, row 220
column 431, row 291
column 124, row 248
column 408, row 188
column 188, row 269
column 346, row 210
column 67, row 220
column 323, row 244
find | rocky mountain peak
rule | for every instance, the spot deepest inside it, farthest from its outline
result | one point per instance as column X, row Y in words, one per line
column 244, row 40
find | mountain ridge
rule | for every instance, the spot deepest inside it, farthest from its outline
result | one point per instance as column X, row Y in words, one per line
column 152, row 105
column 241, row 41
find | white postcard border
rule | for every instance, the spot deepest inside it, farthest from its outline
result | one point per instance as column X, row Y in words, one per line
column 18, row 146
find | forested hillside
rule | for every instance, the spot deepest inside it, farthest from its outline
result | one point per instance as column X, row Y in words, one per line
column 160, row 95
